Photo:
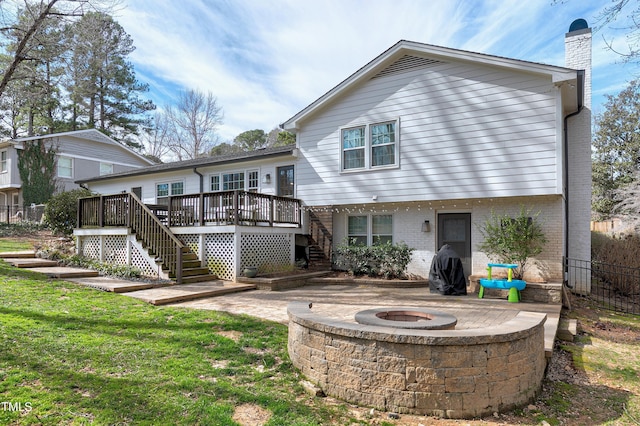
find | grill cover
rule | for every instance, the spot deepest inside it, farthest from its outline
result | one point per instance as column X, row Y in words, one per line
column 446, row 275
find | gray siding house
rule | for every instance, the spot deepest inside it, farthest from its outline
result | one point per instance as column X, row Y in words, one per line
column 80, row 154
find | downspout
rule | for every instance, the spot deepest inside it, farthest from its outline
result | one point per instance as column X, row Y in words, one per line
column 580, row 96
column 195, row 170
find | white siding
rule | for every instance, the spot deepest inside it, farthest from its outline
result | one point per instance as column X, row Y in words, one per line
column 465, row 132
column 192, row 180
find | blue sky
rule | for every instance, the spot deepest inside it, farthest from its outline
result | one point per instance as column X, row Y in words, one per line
column 266, row 60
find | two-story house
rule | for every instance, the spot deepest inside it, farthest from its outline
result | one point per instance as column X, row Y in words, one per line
column 79, row 154
column 419, row 145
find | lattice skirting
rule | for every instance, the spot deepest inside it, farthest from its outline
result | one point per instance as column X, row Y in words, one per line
column 219, row 255
column 117, row 250
column 267, row 252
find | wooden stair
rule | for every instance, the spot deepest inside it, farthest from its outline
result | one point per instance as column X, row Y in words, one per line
column 192, row 269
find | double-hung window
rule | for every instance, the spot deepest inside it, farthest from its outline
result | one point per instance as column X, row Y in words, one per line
column 370, row 146
column 166, row 189
column 65, row 167
column 3, row 161
column 370, row 229
column 353, row 148
column 235, row 181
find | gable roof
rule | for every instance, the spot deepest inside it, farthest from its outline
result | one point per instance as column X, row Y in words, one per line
column 199, row 162
column 90, row 134
column 410, row 55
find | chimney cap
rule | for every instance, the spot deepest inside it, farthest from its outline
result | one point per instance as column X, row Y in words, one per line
column 578, row 24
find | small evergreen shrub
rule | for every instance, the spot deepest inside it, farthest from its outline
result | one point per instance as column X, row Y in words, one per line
column 512, row 240
column 61, row 212
column 380, row 260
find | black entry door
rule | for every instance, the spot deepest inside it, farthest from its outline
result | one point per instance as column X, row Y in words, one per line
column 455, row 229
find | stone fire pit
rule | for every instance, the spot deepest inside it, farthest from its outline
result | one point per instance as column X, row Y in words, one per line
column 412, row 318
column 448, row 373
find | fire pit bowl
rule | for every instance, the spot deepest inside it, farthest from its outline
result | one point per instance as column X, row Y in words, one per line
column 409, row 318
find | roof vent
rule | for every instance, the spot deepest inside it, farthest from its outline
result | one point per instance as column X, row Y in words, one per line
column 578, row 24
column 408, row 63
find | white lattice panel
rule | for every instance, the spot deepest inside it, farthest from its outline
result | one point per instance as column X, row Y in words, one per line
column 114, row 249
column 219, row 255
column 192, row 241
column 267, row 252
column 90, row 247
column 141, row 262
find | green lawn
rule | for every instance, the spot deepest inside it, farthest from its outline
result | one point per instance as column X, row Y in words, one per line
column 12, row 245
column 71, row 355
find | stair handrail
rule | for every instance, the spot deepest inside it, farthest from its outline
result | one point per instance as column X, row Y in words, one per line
column 155, row 236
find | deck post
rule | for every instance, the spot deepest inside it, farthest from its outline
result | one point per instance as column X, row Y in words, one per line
column 201, row 209
column 179, row 266
column 236, row 205
column 272, row 207
column 101, row 212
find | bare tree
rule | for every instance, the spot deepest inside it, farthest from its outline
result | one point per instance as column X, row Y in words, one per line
column 157, row 138
column 194, row 121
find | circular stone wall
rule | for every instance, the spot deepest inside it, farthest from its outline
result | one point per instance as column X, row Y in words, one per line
column 446, row 373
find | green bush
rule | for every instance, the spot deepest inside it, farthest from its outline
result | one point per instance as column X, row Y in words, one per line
column 61, row 211
column 380, row 260
column 122, row 271
column 512, row 240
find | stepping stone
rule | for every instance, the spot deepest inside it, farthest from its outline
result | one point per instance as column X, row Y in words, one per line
column 62, row 272
column 114, row 285
column 30, row 262
column 26, row 254
column 182, row 292
column 567, row 329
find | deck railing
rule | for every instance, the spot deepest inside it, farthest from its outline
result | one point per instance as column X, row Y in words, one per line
column 232, row 207
column 126, row 210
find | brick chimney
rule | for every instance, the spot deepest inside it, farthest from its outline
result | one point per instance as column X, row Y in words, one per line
column 578, row 161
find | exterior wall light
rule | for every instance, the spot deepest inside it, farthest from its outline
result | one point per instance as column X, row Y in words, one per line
column 266, row 178
column 426, row 226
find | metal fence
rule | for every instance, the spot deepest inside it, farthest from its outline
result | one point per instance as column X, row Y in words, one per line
column 16, row 213
column 615, row 287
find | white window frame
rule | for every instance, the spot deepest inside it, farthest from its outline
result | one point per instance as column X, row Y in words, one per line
column 106, row 168
column 70, row 168
column 3, row 161
column 250, row 181
column 170, row 190
column 370, row 235
column 369, row 146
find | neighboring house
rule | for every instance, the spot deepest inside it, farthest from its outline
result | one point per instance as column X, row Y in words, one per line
column 80, row 154
column 419, row 146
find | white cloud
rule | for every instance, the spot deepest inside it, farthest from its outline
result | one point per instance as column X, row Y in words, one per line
column 267, row 60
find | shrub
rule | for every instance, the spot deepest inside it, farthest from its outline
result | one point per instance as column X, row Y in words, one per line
column 616, row 261
column 122, row 271
column 512, row 240
column 61, row 212
column 380, row 260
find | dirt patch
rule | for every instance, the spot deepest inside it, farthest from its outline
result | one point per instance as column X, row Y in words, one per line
column 251, row 415
column 231, row 334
